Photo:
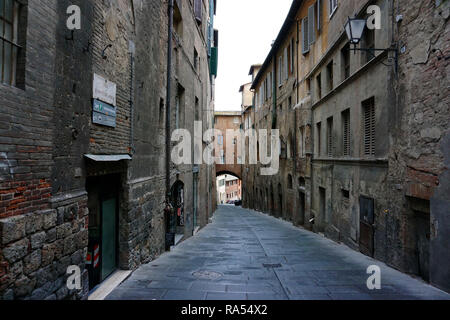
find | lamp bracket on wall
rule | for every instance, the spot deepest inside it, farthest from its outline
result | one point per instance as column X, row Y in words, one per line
column 71, row 36
column 104, row 56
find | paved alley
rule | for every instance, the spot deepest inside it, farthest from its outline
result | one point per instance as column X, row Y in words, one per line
column 245, row 255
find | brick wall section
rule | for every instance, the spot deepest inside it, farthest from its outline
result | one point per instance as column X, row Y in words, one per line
column 25, row 121
column 72, row 100
column 46, row 129
column 41, row 233
column 116, row 68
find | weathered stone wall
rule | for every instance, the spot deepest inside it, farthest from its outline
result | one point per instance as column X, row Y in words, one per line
column 407, row 177
column 142, row 219
column 47, row 129
column 419, row 159
column 39, row 247
column 191, row 86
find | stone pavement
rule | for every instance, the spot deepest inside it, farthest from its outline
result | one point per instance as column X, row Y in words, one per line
column 245, row 255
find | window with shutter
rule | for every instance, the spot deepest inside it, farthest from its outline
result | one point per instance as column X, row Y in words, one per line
column 302, row 142
column 346, row 132
column 265, row 90
column 305, row 39
column 319, row 86
column 216, row 38
column 270, row 85
column 292, row 55
column 369, row 127
column 330, row 143
column 319, row 14
column 319, row 138
column 289, row 58
column 280, row 70
column 333, row 4
column 285, row 64
column 198, row 10
column 345, row 62
column 311, row 26
column 262, row 95
column 330, row 76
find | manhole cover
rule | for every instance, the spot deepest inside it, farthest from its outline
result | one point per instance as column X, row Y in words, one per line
column 207, row 275
column 272, row 266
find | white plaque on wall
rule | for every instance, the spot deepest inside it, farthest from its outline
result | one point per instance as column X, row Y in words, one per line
column 104, row 90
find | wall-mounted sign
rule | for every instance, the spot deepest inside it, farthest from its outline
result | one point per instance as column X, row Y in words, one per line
column 104, row 114
column 104, row 90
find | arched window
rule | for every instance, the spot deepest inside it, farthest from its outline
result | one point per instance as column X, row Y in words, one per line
column 290, row 182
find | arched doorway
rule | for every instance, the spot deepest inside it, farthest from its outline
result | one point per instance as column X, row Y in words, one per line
column 175, row 217
column 229, row 188
column 177, row 200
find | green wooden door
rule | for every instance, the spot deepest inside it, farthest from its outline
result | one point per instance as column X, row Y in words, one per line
column 109, row 237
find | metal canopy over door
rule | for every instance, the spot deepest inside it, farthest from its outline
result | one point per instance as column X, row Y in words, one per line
column 109, row 237
column 367, row 221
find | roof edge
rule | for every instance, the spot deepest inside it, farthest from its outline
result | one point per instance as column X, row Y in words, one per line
column 290, row 19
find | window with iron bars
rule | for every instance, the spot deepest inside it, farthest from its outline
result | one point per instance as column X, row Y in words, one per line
column 10, row 47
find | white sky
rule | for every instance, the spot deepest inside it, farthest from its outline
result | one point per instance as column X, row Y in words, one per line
column 246, row 31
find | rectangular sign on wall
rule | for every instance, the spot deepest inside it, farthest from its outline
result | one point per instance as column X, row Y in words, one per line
column 104, row 114
column 104, row 90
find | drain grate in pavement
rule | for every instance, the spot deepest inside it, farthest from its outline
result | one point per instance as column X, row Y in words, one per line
column 272, row 266
column 207, row 275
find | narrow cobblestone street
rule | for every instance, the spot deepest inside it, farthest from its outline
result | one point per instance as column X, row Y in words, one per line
column 245, row 255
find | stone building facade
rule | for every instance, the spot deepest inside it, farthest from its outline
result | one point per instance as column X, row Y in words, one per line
column 81, row 186
column 226, row 146
column 363, row 139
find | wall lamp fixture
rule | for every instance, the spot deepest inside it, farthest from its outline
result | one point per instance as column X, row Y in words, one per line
column 355, row 29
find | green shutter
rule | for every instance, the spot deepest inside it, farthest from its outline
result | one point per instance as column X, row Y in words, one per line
column 214, row 61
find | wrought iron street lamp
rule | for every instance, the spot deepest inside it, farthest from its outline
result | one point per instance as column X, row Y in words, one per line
column 355, row 28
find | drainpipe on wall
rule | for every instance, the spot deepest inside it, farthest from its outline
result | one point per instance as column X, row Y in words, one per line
column 297, row 99
column 311, row 165
column 168, row 112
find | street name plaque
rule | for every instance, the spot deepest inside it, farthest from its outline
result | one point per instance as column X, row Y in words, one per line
column 104, row 114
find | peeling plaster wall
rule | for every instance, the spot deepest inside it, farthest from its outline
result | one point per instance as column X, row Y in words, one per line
column 419, row 160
